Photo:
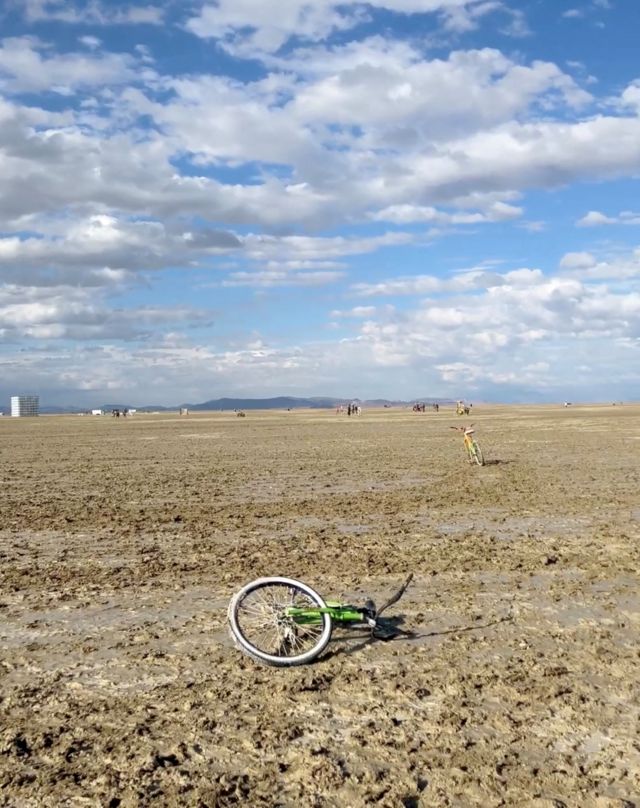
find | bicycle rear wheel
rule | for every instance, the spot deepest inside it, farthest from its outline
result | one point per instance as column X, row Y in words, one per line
column 262, row 628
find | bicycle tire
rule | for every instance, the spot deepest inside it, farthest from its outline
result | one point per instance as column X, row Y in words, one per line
column 477, row 454
column 280, row 641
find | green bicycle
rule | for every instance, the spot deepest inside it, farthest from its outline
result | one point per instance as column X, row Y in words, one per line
column 283, row 622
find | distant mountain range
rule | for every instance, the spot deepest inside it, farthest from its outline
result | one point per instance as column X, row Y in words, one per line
column 277, row 403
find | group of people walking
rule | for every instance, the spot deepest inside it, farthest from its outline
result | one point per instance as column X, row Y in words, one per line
column 352, row 409
column 417, row 407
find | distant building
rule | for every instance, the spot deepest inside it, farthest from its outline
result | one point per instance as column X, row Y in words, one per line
column 25, row 406
column 97, row 412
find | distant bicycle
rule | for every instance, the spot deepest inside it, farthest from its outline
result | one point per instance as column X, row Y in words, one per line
column 472, row 447
column 284, row 622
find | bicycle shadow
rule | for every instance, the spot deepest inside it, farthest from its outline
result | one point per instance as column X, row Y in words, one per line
column 395, row 623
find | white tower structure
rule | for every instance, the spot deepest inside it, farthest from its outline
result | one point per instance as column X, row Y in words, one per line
column 22, row 406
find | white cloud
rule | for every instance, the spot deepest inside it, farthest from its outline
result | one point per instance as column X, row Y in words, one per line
column 418, row 285
column 517, row 25
column 250, row 26
column 519, row 313
column 521, row 336
column 65, row 312
column 293, row 176
column 219, row 122
column 577, row 260
column 312, row 248
column 268, row 278
column 587, row 9
column 622, row 268
column 437, row 98
column 90, row 41
column 628, row 217
column 27, row 65
column 357, row 312
column 95, row 12
column 594, row 218
column 630, row 96
column 304, row 260
column 105, row 248
column 516, row 333
column 468, row 280
column 406, row 214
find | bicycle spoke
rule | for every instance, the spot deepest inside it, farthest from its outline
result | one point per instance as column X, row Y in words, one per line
column 264, row 619
column 309, row 631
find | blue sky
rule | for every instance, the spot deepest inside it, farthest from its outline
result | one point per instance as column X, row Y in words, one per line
column 403, row 198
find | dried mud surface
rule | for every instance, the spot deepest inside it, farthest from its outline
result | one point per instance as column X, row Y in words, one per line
column 121, row 542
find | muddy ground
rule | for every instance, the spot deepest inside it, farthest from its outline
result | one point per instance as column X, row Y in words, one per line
column 122, row 541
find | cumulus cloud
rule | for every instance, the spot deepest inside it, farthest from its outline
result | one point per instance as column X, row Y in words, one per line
column 108, row 248
column 28, row 65
column 250, row 26
column 480, row 334
column 630, row 96
column 64, row 312
column 524, row 332
column 437, row 97
column 287, row 174
column 594, row 218
column 468, row 280
column 356, row 311
column 577, row 260
column 407, row 214
column 623, row 267
column 392, row 165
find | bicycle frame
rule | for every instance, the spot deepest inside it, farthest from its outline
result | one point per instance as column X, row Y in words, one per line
column 474, row 452
column 345, row 614
column 337, row 611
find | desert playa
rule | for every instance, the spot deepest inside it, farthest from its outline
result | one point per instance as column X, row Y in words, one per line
column 122, row 541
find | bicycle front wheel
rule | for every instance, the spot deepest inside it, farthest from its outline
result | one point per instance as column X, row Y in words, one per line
column 477, row 454
column 263, row 627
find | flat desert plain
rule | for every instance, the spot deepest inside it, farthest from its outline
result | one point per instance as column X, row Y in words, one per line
column 122, row 541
